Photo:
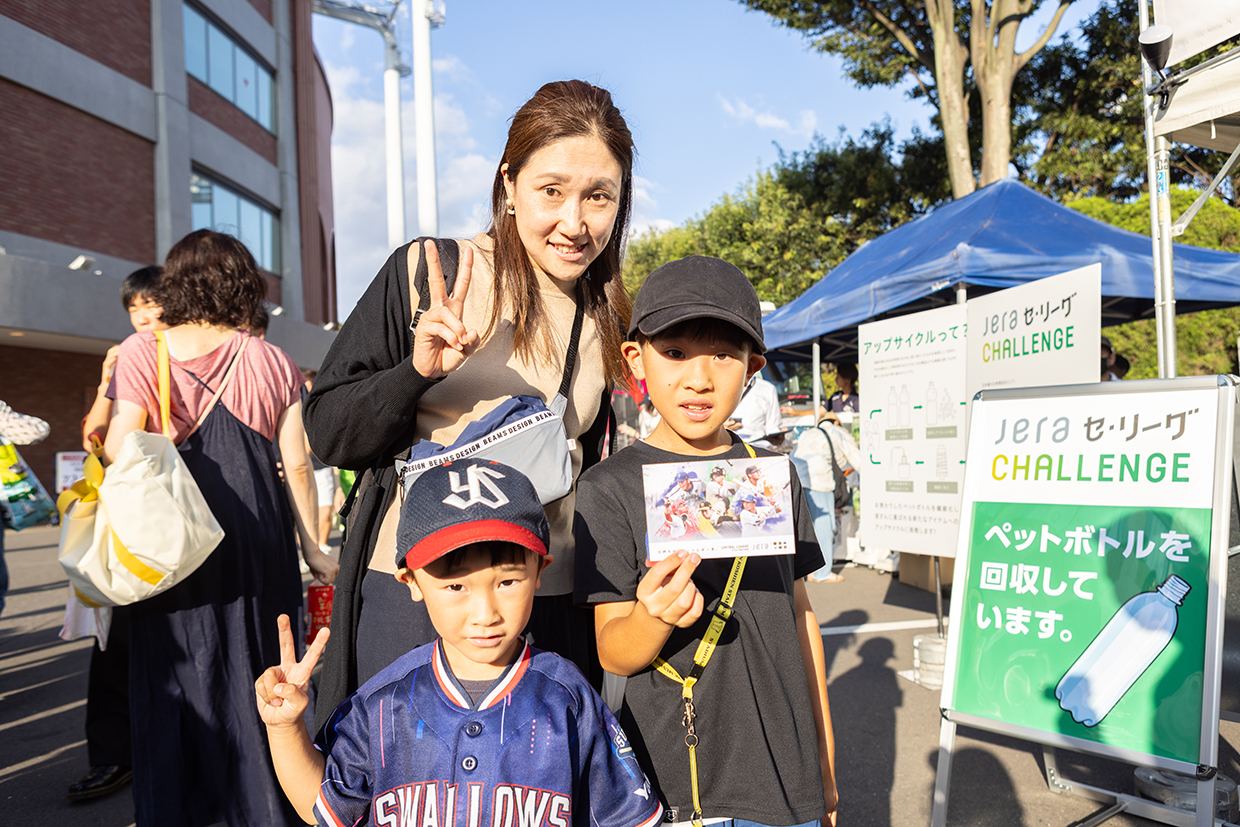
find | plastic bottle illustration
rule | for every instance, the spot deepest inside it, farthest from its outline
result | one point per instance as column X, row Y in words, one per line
column 906, row 407
column 932, row 405
column 906, row 470
column 1121, row 653
column 893, row 408
column 940, row 462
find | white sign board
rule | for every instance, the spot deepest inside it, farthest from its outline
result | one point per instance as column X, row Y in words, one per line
column 912, row 371
column 68, row 468
column 1046, row 332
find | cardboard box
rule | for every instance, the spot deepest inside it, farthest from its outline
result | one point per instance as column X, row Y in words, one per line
column 918, row 570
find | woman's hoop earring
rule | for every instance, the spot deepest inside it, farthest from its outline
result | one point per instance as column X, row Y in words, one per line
column 512, row 209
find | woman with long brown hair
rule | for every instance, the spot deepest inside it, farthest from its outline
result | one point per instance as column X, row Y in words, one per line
column 199, row 749
column 560, row 207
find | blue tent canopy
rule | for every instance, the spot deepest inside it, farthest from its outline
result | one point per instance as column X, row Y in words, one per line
column 1001, row 236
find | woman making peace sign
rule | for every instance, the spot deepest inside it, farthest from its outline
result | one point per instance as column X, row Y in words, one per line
column 560, row 212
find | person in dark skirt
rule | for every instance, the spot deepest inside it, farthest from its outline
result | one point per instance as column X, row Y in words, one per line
column 199, row 749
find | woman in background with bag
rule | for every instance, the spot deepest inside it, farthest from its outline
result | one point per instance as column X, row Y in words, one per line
column 200, row 753
column 560, row 207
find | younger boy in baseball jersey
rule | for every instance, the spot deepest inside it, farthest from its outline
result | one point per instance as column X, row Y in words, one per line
column 476, row 728
column 757, row 712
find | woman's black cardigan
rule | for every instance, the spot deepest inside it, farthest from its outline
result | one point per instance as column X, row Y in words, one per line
column 361, row 415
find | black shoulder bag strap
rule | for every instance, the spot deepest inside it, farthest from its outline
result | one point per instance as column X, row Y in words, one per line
column 449, row 258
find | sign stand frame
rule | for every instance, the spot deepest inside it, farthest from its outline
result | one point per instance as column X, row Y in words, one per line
column 1226, row 463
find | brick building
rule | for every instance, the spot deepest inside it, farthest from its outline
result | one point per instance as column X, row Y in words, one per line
column 128, row 124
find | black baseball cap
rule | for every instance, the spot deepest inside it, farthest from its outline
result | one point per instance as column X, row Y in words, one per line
column 464, row 502
column 697, row 287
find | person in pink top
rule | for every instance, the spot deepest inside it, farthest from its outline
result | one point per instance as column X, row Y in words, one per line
column 199, row 750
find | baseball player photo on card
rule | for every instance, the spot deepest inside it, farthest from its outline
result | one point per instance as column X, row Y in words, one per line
column 719, row 507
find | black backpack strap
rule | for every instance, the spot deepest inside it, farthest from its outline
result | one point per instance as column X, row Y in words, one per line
column 449, row 259
column 570, row 358
column 837, row 470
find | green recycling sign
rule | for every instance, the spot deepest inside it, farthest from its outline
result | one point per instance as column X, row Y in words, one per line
column 1083, row 590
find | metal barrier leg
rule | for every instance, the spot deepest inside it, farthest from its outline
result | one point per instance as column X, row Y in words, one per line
column 943, row 774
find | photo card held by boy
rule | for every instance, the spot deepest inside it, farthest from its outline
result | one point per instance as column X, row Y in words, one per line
column 719, row 507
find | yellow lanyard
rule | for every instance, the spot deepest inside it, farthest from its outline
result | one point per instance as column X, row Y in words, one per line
column 700, row 658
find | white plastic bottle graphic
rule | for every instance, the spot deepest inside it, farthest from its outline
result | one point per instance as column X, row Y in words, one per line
column 932, row 405
column 1121, row 653
column 893, row 408
column 906, row 470
column 906, row 408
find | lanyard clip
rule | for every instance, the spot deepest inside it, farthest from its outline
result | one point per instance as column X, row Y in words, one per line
column 691, row 738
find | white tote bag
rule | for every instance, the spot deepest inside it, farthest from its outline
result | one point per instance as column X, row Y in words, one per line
column 142, row 526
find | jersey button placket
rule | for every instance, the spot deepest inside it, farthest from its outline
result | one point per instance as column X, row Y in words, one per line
column 469, row 763
column 473, row 729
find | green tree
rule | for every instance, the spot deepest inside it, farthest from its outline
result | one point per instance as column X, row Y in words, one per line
column 951, row 49
column 791, row 224
column 1205, row 341
column 1079, row 125
column 763, row 229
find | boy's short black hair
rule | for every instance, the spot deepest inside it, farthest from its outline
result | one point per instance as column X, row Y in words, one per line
column 502, row 554
column 140, row 284
column 704, row 329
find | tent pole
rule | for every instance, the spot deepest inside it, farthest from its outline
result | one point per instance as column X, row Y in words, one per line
column 817, row 360
column 1151, row 174
column 1166, row 269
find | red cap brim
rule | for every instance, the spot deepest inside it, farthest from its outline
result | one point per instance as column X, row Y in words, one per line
column 436, row 545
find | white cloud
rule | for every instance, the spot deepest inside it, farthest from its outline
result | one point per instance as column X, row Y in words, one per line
column 739, row 110
column 359, row 177
column 645, row 208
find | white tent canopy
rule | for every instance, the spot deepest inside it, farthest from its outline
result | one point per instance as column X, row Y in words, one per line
column 1203, row 108
column 1197, row 24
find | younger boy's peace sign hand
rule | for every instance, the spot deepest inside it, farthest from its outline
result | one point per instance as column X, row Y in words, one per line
column 441, row 342
column 281, row 690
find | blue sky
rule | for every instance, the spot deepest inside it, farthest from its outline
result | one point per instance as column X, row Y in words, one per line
column 708, row 89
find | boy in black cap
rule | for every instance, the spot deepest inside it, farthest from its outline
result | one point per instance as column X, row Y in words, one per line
column 696, row 339
column 476, row 727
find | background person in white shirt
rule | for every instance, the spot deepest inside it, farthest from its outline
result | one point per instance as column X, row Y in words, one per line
column 758, row 416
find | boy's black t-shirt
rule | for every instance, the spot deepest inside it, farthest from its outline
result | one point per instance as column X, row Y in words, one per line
column 758, row 750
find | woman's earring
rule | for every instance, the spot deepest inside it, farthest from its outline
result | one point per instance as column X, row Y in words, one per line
column 512, row 209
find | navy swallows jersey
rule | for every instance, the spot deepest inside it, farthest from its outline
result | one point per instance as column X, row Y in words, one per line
column 410, row 749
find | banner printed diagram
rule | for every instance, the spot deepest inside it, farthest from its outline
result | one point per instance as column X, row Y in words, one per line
column 913, row 430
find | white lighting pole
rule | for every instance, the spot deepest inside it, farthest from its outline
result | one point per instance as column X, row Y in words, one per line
column 393, row 71
column 427, row 15
column 393, row 141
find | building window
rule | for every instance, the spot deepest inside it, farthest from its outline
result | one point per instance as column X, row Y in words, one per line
column 216, row 207
column 217, row 60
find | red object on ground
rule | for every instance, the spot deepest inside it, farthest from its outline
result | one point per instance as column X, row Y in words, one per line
column 319, row 604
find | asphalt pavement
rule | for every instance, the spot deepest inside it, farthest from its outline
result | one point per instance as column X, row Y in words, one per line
column 887, row 727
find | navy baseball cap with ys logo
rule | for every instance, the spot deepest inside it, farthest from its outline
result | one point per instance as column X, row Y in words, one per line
column 464, row 502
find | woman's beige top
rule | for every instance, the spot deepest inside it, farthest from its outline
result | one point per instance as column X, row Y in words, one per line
column 495, row 372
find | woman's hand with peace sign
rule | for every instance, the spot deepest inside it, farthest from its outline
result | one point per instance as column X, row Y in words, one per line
column 441, row 342
column 281, row 690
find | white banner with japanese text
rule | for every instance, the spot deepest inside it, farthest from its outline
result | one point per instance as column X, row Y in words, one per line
column 912, row 372
column 1046, row 332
